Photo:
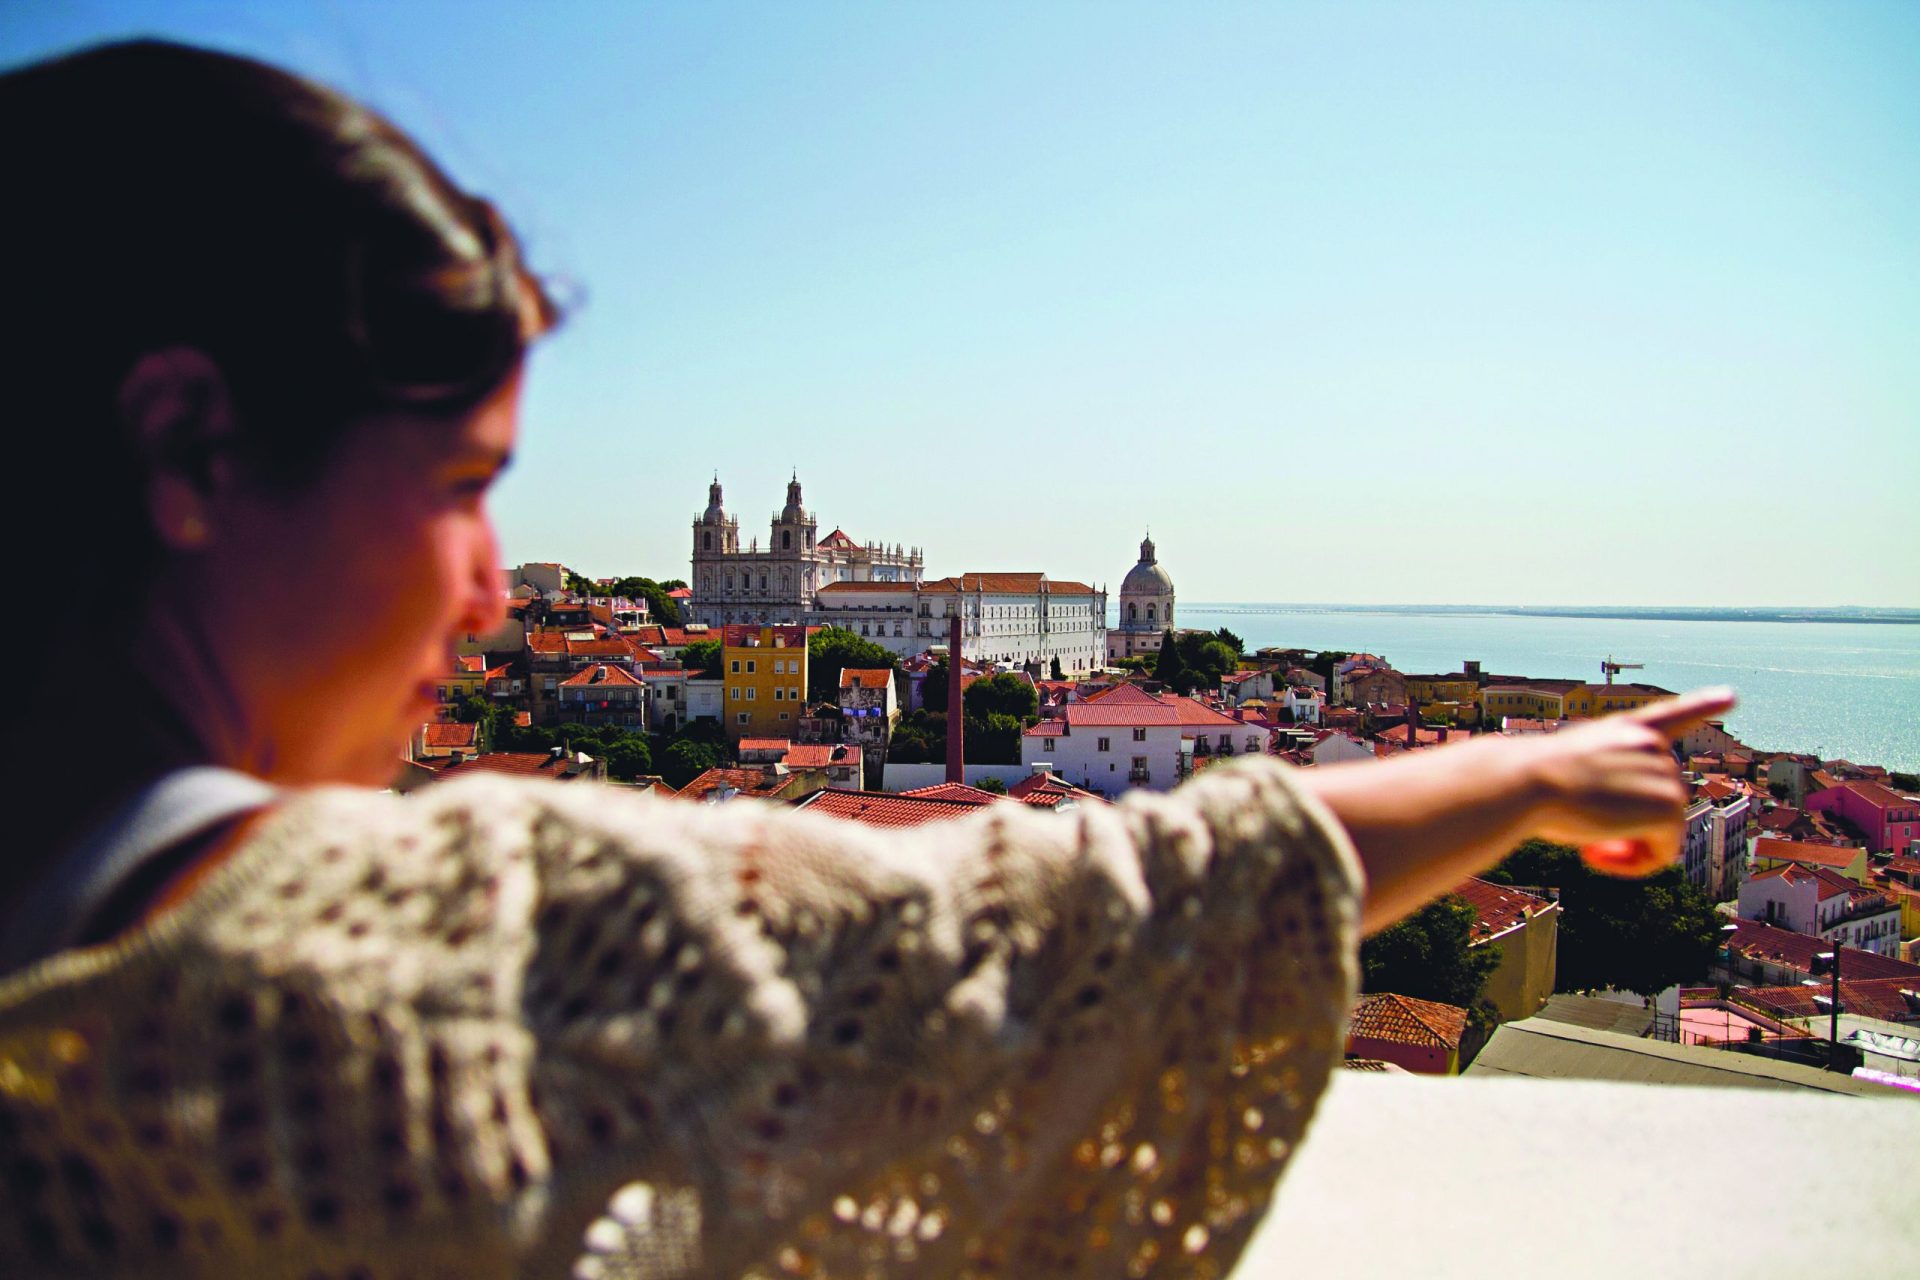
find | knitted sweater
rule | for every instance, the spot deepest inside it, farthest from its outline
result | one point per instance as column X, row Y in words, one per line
column 502, row 1028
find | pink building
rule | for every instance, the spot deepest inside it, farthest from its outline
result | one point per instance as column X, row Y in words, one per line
column 1887, row 820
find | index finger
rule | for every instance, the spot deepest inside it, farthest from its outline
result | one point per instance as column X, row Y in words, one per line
column 1674, row 716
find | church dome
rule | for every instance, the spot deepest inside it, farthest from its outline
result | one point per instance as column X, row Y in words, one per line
column 715, row 513
column 1147, row 578
column 793, row 512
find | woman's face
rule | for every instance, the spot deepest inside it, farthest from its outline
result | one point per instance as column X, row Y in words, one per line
column 334, row 609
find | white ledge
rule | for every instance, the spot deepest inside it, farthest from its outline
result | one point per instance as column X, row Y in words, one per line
column 1415, row 1177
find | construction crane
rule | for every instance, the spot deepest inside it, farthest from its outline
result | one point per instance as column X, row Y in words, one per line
column 1610, row 668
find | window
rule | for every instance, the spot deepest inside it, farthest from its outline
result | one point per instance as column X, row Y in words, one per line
column 1139, row 735
column 1046, row 744
column 736, row 666
column 742, row 718
column 779, row 695
column 786, row 539
column 783, row 715
column 706, row 542
column 734, row 694
column 749, row 666
column 751, row 693
column 1105, row 744
column 793, row 693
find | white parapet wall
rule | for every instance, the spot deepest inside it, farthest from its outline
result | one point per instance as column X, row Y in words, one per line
column 911, row 777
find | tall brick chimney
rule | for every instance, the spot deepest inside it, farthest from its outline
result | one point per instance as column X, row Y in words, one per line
column 956, row 710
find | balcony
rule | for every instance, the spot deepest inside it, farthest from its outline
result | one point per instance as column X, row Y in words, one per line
column 1139, row 777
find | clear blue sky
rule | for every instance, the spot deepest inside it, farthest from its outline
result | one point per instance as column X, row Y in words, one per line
column 1567, row 303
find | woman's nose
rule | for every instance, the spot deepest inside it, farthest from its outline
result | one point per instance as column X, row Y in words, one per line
column 486, row 606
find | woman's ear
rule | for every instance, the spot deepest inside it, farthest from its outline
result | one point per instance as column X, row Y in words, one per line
column 178, row 415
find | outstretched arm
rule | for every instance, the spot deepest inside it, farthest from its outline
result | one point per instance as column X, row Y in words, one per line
column 1425, row 822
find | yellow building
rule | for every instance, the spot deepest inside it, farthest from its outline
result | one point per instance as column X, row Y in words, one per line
column 1452, row 698
column 764, row 672
column 468, row 679
column 1586, row 701
column 1534, row 700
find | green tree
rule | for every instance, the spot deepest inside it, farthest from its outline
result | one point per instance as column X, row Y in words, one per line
column 1055, row 673
column 919, row 738
column 1005, row 694
column 684, row 760
column 1430, row 956
column 993, row 785
column 1232, row 641
column 629, row 758
column 993, row 739
column 1904, row 781
column 831, row 650
column 1170, row 666
column 1214, row 660
column 702, row 657
column 661, row 607
column 1640, row 935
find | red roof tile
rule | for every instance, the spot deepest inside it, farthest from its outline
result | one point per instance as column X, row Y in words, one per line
column 756, row 783
column 601, row 675
column 519, row 763
column 1815, row 855
column 1764, row 942
column 959, row 792
column 736, row 635
column 1890, row 999
column 452, row 735
column 821, row 755
column 865, row 678
column 1499, row 907
column 1405, row 1020
column 879, row 809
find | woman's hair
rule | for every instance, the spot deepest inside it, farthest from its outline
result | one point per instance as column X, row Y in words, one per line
column 163, row 196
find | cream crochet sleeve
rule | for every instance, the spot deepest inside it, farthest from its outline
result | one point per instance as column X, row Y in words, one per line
column 500, row 1029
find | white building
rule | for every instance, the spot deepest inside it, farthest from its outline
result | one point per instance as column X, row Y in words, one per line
column 1306, row 706
column 706, row 698
column 1146, row 607
column 1128, row 737
column 1006, row 618
column 731, row 583
column 1714, row 848
column 1824, row 903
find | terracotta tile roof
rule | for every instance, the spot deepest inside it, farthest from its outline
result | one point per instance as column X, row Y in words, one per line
column 1404, row 1020
column 1193, row 713
column 1643, row 690
column 539, row 764
column 879, row 809
column 867, row 586
column 820, row 755
column 1780, row 818
column 766, row 744
column 1123, row 695
column 469, row 664
column 1047, row 729
column 1007, row 584
column 735, row 636
column 1397, row 736
column 452, row 735
column 1815, row 855
column 756, row 783
column 1048, row 790
column 1890, row 999
column 1876, row 795
column 601, row 675
column 648, row 633
column 958, row 792
column 839, row 541
column 1830, row 884
column 1499, row 907
column 1120, row 715
column 680, row 637
column 1764, row 942
column 680, row 593
column 865, row 677
column 1372, row 1064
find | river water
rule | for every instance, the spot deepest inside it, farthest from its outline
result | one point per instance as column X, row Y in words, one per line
column 1831, row 688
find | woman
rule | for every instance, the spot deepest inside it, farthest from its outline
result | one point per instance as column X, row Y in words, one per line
column 258, row 1019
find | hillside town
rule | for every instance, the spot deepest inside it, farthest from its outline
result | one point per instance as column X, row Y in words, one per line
column 822, row 672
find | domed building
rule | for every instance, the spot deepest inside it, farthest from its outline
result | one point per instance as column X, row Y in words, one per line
column 1146, row 607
